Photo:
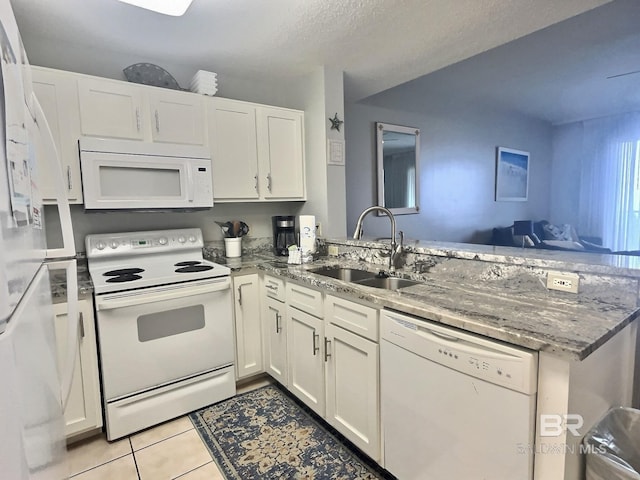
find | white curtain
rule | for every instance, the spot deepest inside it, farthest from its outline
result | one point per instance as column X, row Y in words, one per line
column 610, row 181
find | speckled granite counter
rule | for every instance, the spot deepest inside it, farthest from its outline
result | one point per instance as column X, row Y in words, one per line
column 58, row 280
column 520, row 311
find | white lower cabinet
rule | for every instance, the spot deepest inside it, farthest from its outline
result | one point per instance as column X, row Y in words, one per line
column 327, row 354
column 305, row 363
column 84, row 411
column 274, row 328
column 247, row 325
column 353, row 406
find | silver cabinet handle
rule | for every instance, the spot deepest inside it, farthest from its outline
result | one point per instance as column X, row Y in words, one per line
column 240, row 292
column 69, row 182
column 327, row 344
column 271, row 287
column 269, row 181
column 316, row 349
column 138, row 119
column 256, row 179
column 81, row 324
column 278, row 327
column 157, row 122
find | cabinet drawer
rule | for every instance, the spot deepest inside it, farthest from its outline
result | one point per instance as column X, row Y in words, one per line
column 356, row 318
column 305, row 299
column 274, row 288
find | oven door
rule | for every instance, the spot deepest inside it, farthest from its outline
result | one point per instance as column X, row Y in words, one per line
column 157, row 336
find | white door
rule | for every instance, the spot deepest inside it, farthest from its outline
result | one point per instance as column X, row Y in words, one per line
column 305, row 360
column 176, row 117
column 84, row 411
column 234, row 154
column 57, row 93
column 248, row 325
column 353, row 392
column 31, row 423
column 281, row 154
column 163, row 334
column 110, row 109
column 274, row 328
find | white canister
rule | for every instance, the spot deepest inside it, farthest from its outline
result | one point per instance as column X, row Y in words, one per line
column 307, row 225
column 233, row 247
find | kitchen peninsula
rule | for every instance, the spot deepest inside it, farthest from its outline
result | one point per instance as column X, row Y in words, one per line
column 585, row 342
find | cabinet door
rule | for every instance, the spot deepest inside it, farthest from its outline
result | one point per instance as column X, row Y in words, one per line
column 248, row 328
column 58, row 97
column 176, row 117
column 281, row 153
column 305, row 362
column 83, row 412
column 353, row 406
column 234, row 154
column 274, row 330
column 110, row 108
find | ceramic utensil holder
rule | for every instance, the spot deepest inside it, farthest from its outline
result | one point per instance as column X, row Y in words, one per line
column 233, row 247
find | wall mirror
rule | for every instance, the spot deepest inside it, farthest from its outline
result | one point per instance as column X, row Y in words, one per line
column 398, row 159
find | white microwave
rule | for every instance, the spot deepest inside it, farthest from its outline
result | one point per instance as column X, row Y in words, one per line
column 125, row 174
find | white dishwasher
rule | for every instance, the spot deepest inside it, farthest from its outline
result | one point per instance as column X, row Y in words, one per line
column 454, row 405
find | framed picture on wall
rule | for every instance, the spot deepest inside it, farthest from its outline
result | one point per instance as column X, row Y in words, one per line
column 512, row 175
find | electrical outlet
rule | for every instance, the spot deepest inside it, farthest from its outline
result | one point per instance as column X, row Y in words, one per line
column 565, row 282
column 333, row 250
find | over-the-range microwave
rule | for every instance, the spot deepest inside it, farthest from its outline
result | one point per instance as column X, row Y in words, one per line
column 128, row 174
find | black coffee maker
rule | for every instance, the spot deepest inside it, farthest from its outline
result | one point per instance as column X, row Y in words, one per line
column 284, row 234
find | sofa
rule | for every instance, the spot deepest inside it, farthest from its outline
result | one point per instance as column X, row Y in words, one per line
column 545, row 235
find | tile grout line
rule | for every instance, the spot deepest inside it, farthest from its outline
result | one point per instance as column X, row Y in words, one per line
column 159, row 441
column 99, row 465
column 133, row 454
column 193, row 469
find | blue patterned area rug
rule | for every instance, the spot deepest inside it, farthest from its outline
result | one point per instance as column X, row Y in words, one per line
column 265, row 434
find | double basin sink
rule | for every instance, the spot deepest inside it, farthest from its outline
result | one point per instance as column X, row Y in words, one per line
column 363, row 277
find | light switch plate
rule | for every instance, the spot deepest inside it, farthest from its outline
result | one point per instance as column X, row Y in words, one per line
column 564, row 282
column 333, row 250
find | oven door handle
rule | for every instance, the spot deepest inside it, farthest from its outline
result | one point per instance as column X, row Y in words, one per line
column 111, row 302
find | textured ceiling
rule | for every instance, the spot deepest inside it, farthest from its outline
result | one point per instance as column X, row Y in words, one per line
column 378, row 43
column 585, row 67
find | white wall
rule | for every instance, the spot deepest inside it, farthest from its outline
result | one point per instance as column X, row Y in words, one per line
column 565, row 175
column 457, row 170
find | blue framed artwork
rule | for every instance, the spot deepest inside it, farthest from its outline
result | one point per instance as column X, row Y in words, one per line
column 512, row 175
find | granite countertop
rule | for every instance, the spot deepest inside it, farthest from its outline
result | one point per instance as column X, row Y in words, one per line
column 517, row 309
column 58, row 280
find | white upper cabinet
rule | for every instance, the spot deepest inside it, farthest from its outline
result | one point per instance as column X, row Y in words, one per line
column 257, row 151
column 110, row 108
column 281, row 153
column 57, row 93
column 177, row 117
column 115, row 109
column 232, row 139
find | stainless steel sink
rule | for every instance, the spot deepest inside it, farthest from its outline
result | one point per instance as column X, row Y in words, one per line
column 364, row 277
column 345, row 274
column 389, row 283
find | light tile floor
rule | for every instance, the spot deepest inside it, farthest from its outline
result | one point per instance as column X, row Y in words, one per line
column 171, row 450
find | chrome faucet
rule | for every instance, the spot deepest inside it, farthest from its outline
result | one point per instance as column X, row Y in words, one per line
column 396, row 249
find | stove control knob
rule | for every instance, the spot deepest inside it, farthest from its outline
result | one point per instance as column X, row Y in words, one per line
column 101, row 245
column 113, row 244
column 162, row 240
column 192, row 238
column 182, row 239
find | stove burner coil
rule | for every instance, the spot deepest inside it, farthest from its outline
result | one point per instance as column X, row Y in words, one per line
column 130, row 277
column 194, row 268
column 123, row 271
column 188, row 263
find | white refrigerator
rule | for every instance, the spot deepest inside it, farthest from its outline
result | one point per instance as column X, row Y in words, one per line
column 33, row 387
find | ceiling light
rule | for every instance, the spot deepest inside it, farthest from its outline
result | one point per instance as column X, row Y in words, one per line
column 174, row 8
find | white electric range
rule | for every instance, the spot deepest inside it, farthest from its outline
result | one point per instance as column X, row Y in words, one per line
column 165, row 326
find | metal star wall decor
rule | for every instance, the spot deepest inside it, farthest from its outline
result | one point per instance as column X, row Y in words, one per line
column 335, row 122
